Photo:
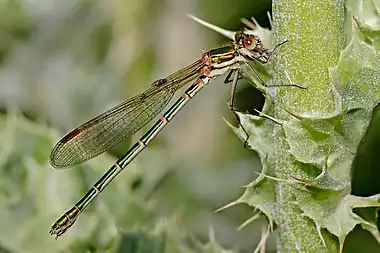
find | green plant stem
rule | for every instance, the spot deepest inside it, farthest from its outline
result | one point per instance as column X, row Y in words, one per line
column 316, row 37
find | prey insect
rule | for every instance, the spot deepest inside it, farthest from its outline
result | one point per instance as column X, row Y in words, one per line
column 122, row 121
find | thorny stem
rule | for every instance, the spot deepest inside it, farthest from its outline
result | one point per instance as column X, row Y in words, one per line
column 315, row 31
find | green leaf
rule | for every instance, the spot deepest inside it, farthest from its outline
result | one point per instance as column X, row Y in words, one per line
column 334, row 211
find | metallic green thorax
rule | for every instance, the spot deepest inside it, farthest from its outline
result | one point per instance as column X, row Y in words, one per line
column 222, row 54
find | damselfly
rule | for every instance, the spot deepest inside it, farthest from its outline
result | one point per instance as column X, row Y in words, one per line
column 111, row 127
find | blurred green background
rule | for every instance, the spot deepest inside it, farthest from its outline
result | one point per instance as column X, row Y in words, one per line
column 64, row 62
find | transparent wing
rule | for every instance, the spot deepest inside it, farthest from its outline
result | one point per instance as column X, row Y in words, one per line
column 113, row 126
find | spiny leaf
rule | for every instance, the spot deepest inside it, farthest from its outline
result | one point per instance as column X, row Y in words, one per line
column 334, row 211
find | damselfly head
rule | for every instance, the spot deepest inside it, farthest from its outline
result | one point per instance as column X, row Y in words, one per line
column 250, row 46
column 250, row 42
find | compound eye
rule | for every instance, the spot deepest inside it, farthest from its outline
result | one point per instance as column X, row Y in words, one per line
column 249, row 43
